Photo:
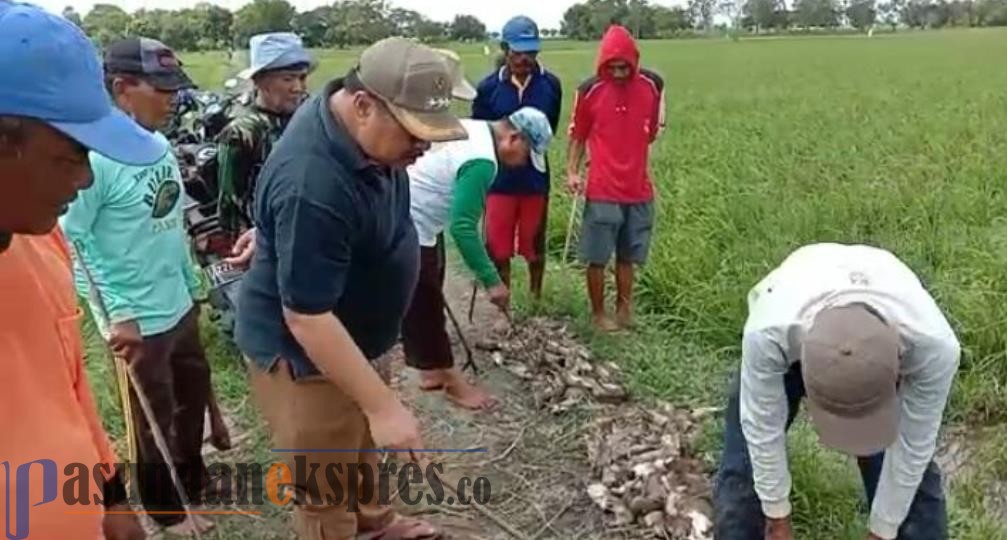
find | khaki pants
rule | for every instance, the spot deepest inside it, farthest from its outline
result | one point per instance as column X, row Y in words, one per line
column 312, row 413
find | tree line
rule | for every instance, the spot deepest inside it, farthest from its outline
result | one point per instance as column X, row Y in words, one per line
column 588, row 20
column 357, row 22
column 207, row 26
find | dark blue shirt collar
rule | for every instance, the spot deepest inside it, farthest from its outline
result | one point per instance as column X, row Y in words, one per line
column 504, row 73
column 336, row 132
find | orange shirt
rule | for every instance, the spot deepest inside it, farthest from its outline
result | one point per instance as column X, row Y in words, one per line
column 46, row 408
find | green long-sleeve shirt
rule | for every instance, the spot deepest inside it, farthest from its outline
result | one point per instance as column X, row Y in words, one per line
column 467, row 208
column 448, row 188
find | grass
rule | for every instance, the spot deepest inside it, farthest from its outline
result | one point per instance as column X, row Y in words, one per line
column 896, row 141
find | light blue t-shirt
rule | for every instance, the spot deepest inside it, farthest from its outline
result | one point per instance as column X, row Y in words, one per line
column 127, row 229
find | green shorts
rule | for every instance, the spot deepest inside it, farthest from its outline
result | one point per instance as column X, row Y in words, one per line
column 623, row 229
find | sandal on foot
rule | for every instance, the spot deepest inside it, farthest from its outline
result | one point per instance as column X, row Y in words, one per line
column 404, row 528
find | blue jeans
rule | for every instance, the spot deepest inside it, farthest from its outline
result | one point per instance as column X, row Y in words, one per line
column 738, row 512
column 225, row 302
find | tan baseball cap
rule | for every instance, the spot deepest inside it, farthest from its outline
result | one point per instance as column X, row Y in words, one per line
column 461, row 88
column 414, row 81
column 850, row 365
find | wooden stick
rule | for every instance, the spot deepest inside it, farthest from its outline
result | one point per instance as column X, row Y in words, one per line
column 148, row 412
column 488, row 514
column 509, row 449
column 469, row 359
column 161, row 443
column 549, row 523
column 569, row 227
column 472, row 301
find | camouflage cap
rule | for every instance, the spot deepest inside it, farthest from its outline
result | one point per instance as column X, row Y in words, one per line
column 415, row 82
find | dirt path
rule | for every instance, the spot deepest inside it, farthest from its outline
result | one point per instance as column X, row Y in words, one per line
column 564, row 443
column 566, row 454
column 535, row 461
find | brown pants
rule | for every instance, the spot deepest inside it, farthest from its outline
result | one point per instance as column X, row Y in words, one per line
column 424, row 336
column 313, row 414
column 171, row 368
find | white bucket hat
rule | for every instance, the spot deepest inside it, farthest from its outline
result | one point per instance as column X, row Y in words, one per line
column 276, row 50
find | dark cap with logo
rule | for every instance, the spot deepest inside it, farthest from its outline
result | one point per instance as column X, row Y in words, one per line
column 148, row 59
column 415, row 82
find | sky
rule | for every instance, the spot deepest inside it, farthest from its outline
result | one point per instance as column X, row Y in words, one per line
column 494, row 13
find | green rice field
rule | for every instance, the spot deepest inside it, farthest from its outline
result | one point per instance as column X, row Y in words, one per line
column 899, row 140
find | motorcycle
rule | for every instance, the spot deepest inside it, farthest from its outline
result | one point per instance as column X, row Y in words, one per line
column 199, row 117
column 198, row 120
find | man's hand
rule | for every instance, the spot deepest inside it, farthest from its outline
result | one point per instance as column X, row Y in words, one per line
column 394, row 427
column 125, row 340
column 500, row 296
column 779, row 529
column 574, row 183
column 122, row 526
column 243, row 249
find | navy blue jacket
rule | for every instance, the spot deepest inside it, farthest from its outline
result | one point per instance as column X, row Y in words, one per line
column 497, row 97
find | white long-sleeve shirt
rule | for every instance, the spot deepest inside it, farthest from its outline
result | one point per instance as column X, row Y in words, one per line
column 782, row 308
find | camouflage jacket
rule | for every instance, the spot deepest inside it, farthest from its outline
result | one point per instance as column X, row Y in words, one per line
column 242, row 148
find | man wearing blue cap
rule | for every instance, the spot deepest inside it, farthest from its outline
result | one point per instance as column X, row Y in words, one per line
column 279, row 69
column 49, row 417
column 518, row 200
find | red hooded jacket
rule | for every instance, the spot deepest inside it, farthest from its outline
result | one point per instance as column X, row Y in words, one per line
column 618, row 120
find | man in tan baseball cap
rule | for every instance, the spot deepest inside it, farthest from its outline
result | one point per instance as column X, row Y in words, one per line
column 851, row 328
column 410, row 79
column 331, row 278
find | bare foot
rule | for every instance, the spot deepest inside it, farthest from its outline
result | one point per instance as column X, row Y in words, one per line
column 204, row 523
column 603, row 324
column 433, row 379
column 624, row 319
column 191, row 526
column 465, row 394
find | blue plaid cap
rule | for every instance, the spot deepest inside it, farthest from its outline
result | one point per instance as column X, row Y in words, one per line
column 534, row 125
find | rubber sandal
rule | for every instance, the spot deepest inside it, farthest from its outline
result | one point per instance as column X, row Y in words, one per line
column 400, row 529
column 431, row 388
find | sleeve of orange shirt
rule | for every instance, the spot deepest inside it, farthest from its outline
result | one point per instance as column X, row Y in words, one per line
column 90, row 410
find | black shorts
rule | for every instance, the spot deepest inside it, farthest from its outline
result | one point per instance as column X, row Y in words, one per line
column 424, row 334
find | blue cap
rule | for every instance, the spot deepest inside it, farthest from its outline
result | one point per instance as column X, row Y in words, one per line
column 50, row 71
column 534, row 125
column 521, row 35
column 275, row 50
